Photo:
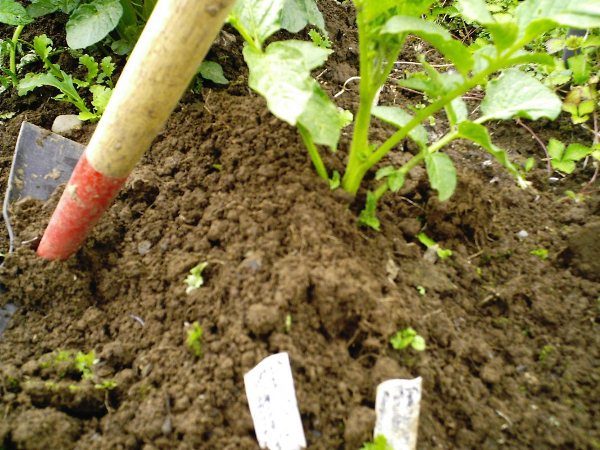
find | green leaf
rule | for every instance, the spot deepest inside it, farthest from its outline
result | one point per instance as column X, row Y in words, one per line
column 107, row 66
column 442, row 174
column 399, row 118
column 91, row 22
column 101, row 96
column 556, row 149
column 323, row 119
column 475, row 11
column 335, row 181
column 418, row 343
column 395, row 178
column 258, row 18
column 517, row 94
column 13, row 13
column 212, row 71
column 580, row 67
column 479, row 134
column 537, row 16
column 297, row 14
column 576, row 152
column 92, row 67
column 564, row 158
column 524, row 57
column 457, row 111
column 39, row 8
column 42, row 46
column 281, row 74
column 379, row 443
column 436, row 35
column 368, row 216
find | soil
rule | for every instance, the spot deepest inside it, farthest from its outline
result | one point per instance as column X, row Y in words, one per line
column 512, row 339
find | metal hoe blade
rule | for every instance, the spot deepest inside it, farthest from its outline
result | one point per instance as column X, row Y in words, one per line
column 42, row 161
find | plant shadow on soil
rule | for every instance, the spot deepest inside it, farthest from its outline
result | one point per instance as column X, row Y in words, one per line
column 512, row 357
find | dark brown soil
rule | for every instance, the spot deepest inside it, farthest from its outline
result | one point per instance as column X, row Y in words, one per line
column 512, row 340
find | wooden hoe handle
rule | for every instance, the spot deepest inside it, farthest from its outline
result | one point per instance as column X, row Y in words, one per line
column 166, row 58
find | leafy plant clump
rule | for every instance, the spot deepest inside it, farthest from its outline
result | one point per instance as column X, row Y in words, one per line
column 97, row 80
column 408, row 337
column 194, row 339
column 281, row 72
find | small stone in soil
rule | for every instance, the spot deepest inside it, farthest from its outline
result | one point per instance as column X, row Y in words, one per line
column 66, row 124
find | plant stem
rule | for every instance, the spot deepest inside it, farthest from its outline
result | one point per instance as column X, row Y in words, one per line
column 356, row 172
column 13, row 53
column 313, row 152
column 359, row 147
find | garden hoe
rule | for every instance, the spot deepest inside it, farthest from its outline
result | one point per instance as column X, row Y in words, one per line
column 166, row 58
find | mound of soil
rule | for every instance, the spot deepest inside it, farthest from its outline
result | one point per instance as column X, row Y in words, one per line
column 512, row 339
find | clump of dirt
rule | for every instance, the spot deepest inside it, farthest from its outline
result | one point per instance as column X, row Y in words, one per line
column 512, row 342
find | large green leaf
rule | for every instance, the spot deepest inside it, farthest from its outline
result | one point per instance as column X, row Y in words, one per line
column 536, row 17
column 399, row 118
column 91, row 22
column 479, row 134
column 259, row 18
column 475, row 11
column 281, row 74
column 13, row 13
column 517, row 94
column 442, row 174
column 323, row 119
column 39, row 8
column 573, row 13
column 297, row 14
column 436, row 35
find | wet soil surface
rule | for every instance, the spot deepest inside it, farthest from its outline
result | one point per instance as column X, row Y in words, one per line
column 512, row 339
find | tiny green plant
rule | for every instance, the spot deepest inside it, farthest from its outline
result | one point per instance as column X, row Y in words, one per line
column 564, row 158
column 193, row 339
column 442, row 253
column 379, row 443
column 546, row 351
column 541, row 253
column 281, row 72
column 106, row 385
column 195, row 280
column 408, row 337
column 288, row 323
column 84, row 363
column 319, row 39
column 97, row 80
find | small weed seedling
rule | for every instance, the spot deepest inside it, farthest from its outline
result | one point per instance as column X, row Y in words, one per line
column 546, row 351
column 408, row 337
column 442, row 253
column 288, row 323
column 541, row 253
column 564, row 158
column 195, row 280
column 193, row 340
column 84, row 363
column 106, row 385
column 281, row 72
column 379, row 443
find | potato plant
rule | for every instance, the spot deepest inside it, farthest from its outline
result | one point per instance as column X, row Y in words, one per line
column 281, row 72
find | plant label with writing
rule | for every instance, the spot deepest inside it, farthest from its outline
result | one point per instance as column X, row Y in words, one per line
column 397, row 406
column 272, row 399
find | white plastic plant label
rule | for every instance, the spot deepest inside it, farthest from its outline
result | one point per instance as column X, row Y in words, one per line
column 273, row 406
column 397, row 405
